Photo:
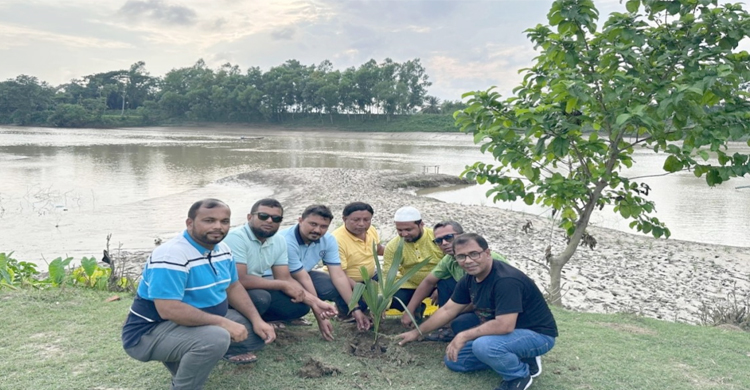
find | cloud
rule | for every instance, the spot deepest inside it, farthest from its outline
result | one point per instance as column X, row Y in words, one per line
column 14, row 36
column 283, row 34
column 159, row 11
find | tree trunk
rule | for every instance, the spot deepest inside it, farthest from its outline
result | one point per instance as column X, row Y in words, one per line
column 555, row 280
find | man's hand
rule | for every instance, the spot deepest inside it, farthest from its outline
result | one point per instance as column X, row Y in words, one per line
column 434, row 297
column 363, row 322
column 326, row 329
column 237, row 332
column 265, row 331
column 455, row 347
column 323, row 310
column 406, row 320
column 408, row 337
column 295, row 291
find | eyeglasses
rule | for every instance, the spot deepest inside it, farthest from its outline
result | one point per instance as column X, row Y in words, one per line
column 472, row 255
column 265, row 216
column 447, row 238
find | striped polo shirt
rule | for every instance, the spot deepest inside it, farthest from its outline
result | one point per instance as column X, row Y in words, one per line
column 183, row 270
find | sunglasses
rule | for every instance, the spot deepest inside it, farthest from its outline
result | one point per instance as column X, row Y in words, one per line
column 470, row 255
column 447, row 238
column 265, row 216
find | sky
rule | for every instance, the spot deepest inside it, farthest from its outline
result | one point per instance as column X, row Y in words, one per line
column 464, row 45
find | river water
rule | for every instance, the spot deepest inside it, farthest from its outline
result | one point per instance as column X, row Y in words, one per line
column 64, row 190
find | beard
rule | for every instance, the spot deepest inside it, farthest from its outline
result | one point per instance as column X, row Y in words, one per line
column 415, row 239
column 259, row 233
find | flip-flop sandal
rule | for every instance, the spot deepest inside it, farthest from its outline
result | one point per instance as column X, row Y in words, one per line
column 443, row 334
column 299, row 322
column 245, row 358
column 278, row 324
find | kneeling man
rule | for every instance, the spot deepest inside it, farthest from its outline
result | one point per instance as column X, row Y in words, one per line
column 180, row 314
column 515, row 325
column 309, row 243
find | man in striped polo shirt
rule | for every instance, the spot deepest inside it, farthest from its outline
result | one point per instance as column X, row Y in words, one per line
column 180, row 315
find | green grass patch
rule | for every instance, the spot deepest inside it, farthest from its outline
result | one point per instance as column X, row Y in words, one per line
column 70, row 339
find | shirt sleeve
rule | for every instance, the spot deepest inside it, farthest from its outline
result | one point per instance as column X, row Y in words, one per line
column 282, row 258
column 388, row 253
column 238, row 248
column 461, row 293
column 293, row 259
column 441, row 270
column 332, row 251
column 508, row 294
column 166, row 278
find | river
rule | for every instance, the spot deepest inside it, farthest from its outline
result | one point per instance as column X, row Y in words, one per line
column 64, row 190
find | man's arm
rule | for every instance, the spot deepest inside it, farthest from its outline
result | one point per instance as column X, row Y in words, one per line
column 441, row 317
column 294, row 290
column 423, row 291
column 322, row 310
column 341, row 282
column 183, row 314
column 303, row 278
column 502, row 324
column 240, row 301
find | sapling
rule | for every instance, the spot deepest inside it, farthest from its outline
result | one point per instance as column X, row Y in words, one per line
column 379, row 294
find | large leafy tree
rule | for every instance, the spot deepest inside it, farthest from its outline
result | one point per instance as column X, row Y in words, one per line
column 665, row 75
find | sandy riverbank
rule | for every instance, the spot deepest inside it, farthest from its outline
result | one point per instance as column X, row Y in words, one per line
column 666, row 279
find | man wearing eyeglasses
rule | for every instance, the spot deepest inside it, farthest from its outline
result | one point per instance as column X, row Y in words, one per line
column 442, row 279
column 418, row 246
column 257, row 249
column 514, row 325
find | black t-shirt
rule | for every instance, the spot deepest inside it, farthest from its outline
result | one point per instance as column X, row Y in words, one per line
column 507, row 290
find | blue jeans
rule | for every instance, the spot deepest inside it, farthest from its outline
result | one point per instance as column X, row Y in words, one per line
column 502, row 353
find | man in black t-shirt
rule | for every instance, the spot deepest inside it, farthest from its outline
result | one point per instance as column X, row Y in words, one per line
column 510, row 327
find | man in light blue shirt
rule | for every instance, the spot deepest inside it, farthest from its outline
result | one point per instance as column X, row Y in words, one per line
column 257, row 249
column 309, row 243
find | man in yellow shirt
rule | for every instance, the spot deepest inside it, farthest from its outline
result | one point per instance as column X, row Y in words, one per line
column 418, row 246
column 355, row 238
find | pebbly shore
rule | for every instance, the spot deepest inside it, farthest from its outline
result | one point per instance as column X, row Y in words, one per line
column 659, row 278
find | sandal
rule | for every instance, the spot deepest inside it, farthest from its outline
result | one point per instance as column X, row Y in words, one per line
column 244, row 358
column 298, row 322
column 278, row 324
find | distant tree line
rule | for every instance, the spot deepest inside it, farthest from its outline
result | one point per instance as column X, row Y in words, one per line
column 226, row 94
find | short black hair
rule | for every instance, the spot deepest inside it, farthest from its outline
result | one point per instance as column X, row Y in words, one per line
column 357, row 206
column 208, row 203
column 467, row 237
column 319, row 210
column 268, row 202
column 455, row 225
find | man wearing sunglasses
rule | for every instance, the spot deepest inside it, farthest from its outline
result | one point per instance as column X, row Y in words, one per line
column 263, row 267
column 514, row 326
column 309, row 244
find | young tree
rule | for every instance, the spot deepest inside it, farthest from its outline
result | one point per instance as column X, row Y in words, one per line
column 665, row 75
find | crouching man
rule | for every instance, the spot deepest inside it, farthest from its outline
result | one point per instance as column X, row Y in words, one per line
column 513, row 325
column 180, row 315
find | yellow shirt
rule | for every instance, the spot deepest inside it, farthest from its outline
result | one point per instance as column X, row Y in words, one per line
column 414, row 253
column 355, row 253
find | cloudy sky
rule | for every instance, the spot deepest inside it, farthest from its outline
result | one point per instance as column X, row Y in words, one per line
column 463, row 44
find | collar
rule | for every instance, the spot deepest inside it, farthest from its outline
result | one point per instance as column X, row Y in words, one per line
column 203, row 250
column 300, row 240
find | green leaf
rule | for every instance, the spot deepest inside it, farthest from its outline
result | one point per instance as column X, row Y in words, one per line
column 560, row 146
column 89, row 266
column 672, row 164
column 632, row 5
column 622, row 118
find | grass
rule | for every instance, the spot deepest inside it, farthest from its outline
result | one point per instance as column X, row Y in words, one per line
column 70, row 339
